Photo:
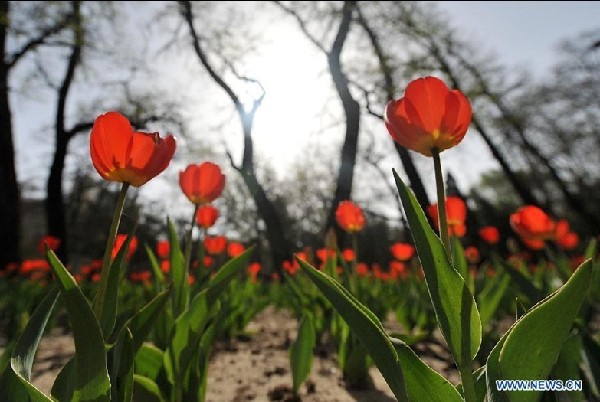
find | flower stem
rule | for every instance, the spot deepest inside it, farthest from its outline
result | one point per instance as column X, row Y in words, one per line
column 441, row 196
column 468, row 383
column 188, row 243
column 110, row 243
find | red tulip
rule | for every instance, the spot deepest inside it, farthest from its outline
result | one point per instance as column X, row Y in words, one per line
column 472, row 255
column 121, row 154
column 402, row 251
column 323, row 254
column 490, row 234
column 532, row 224
column 253, row 271
column 119, row 241
column 207, row 216
column 202, row 183
column 163, row 248
column 562, row 229
column 429, row 116
column 456, row 214
column 569, row 241
column 348, row 255
column 215, row 245
column 350, row 216
column 51, row 241
column 362, row 269
column 234, row 249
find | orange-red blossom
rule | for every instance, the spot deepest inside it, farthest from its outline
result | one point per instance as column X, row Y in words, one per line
column 429, row 116
column 456, row 214
column 206, row 216
column 119, row 153
column 533, row 225
column 202, row 183
column 350, row 216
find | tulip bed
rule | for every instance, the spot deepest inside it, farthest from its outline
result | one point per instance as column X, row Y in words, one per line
column 147, row 335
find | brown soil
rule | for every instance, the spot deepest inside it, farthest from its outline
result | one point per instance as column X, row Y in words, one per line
column 255, row 367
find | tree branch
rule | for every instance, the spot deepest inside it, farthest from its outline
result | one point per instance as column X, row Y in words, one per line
column 38, row 40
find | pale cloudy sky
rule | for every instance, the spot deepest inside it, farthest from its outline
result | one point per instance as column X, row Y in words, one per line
column 523, row 33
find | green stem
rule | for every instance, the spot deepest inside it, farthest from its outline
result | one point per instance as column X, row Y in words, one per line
column 441, row 196
column 188, row 243
column 106, row 259
column 468, row 383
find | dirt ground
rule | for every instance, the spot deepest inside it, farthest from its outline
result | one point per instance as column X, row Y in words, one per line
column 255, row 367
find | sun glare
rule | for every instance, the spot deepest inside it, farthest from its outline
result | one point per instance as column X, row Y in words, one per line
column 291, row 70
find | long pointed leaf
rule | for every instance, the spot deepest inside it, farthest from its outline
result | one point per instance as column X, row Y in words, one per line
column 452, row 301
column 15, row 380
column 143, row 321
column 92, row 375
column 422, row 382
column 301, row 351
column 225, row 274
column 105, row 303
column 537, row 338
column 365, row 326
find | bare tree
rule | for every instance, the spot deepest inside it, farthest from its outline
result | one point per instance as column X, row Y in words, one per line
column 351, row 107
column 279, row 247
column 10, row 231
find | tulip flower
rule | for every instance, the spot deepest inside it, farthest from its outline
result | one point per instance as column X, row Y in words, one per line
column 215, row 245
column 472, row 255
column 533, row 226
column 490, row 234
column 202, row 183
column 121, row 154
column 234, row 249
column 350, row 216
column 402, row 251
column 568, row 241
column 456, row 213
column 206, row 216
column 429, row 117
column 163, row 248
column 119, row 243
column 51, row 241
column 348, row 255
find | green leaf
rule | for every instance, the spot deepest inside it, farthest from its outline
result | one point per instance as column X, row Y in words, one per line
column 491, row 296
column 146, row 390
column 15, row 380
column 143, row 321
column 366, row 327
column 121, row 363
column 187, row 333
column 149, row 361
column 154, row 264
column 524, row 283
column 105, row 302
column 63, row 388
column 567, row 365
column 459, row 259
column 225, row 274
column 590, row 367
column 422, row 382
column 301, row 351
column 452, row 301
column 537, row 338
column 90, row 357
column 181, row 287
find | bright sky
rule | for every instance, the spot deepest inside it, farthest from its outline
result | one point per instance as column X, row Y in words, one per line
column 522, row 33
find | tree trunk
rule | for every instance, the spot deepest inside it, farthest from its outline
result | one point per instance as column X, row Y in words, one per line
column 414, row 179
column 55, row 207
column 9, row 188
column 343, row 188
column 279, row 247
